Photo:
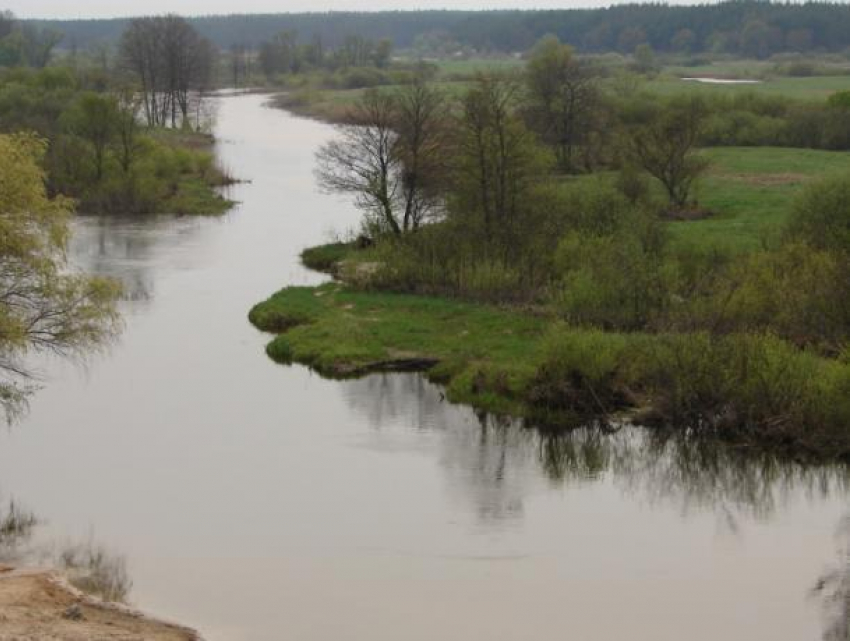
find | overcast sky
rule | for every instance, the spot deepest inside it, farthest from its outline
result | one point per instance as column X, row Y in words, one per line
column 111, row 8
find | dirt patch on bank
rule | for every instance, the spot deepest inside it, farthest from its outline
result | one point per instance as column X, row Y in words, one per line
column 37, row 604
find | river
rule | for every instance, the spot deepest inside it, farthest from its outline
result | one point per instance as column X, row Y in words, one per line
column 260, row 502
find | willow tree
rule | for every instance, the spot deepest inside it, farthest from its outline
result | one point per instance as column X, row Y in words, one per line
column 43, row 306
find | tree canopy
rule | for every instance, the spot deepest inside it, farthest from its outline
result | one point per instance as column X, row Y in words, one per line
column 744, row 27
column 43, row 306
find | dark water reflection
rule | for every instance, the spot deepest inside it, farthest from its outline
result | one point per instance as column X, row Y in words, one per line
column 646, row 465
column 126, row 249
column 256, row 501
column 17, row 527
column 485, row 459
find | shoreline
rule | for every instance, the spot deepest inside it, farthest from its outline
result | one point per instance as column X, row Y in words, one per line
column 528, row 365
column 41, row 603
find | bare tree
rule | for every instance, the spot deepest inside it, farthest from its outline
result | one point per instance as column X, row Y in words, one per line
column 140, row 46
column 363, row 160
column 172, row 63
column 37, row 45
column 423, row 143
column 7, row 23
column 126, row 124
column 392, row 156
column 240, row 63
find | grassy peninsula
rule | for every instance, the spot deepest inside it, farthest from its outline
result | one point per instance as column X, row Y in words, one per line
column 526, row 364
column 527, row 361
column 565, row 241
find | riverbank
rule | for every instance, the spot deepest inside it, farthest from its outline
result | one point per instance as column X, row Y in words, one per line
column 37, row 604
column 98, row 153
column 753, row 390
column 183, row 177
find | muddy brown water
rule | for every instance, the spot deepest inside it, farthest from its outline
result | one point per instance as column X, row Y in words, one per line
column 256, row 501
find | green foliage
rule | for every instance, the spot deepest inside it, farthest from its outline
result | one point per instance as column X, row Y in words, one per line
column 663, row 138
column 358, row 59
column 326, row 258
column 730, row 27
column 722, row 325
column 615, row 280
column 645, row 62
column 497, row 166
column 97, row 153
column 794, row 290
column 840, row 100
column 564, row 104
column 821, row 215
column 579, row 374
column 25, row 44
column 748, row 388
column 45, row 307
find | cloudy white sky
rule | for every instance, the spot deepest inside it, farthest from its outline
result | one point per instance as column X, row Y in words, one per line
column 110, row 8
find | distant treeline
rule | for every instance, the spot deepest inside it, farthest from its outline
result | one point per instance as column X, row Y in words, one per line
column 747, row 27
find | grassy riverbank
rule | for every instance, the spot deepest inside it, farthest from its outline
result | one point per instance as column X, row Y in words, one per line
column 100, row 154
column 751, row 389
column 189, row 177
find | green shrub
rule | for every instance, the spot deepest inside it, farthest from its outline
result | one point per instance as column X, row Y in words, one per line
column 580, row 373
column 797, row 291
column 619, row 280
column 326, row 258
column 745, row 387
column 821, row 215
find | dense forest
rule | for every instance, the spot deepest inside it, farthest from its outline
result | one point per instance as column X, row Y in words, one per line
column 747, row 27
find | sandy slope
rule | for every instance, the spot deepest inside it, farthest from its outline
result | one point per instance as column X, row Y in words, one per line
column 35, row 604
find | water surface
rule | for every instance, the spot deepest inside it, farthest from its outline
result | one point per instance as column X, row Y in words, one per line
column 723, row 81
column 256, row 501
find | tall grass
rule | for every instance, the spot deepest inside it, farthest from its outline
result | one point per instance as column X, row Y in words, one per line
column 95, row 570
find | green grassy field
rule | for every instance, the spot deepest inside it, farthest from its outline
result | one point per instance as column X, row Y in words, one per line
column 512, row 362
column 750, row 192
column 331, row 105
column 453, row 69
column 466, row 339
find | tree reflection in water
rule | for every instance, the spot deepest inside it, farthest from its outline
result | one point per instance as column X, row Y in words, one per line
column 89, row 566
column 497, row 457
column 493, row 463
column 131, row 248
column 833, row 589
column 17, row 526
